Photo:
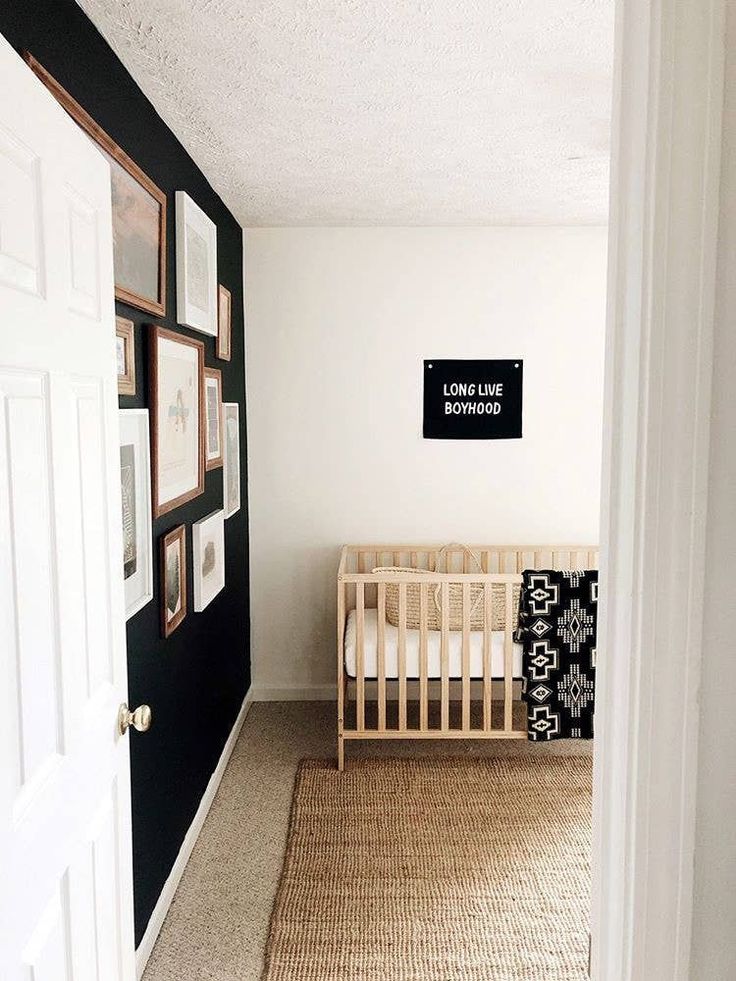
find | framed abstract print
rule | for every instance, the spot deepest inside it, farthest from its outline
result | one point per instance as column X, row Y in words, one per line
column 138, row 212
column 125, row 354
column 173, row 579
column 196, row 266
column 224, row 323
column 213, row 418
column 231, row 457
column 176, row 374
column 135, row 486
column 208, row 557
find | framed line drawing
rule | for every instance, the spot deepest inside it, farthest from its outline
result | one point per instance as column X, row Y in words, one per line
column 208, row 557
column 173, row 579
column 138, row 211
column 176, row 373
column 231, row 457
column 135, row 486
column 213, row 418
column 125, row 354
column 224, row 323
column 196, row 266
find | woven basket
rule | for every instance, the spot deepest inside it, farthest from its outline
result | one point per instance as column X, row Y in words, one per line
column 455, row 598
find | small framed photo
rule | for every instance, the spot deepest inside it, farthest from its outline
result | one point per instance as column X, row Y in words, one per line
column 173, row 579
column 213, row 417
column 224, row 323
column 231, row 457
column 196, row 267
column 125, row 352
column 176, row 374
column 135, row 485
column 208, row 556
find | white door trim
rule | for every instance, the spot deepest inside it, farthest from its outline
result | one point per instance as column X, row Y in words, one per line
column 664, row 221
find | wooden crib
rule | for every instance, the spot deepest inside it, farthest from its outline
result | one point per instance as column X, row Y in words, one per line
column 415, row 666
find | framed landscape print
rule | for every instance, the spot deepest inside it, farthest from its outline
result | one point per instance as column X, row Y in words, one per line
column 173, row 579
column 138, row 212
column 176, row 374
column 196, row 266
column 208, row 556
column 135, row 486
column 224, row 323
column 213, row 418
column 125, row 353
column 231, row 457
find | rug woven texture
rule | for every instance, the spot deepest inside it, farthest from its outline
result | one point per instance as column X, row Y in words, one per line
column 435, row 870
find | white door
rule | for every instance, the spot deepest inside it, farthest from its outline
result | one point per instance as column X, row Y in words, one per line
column 65, row 837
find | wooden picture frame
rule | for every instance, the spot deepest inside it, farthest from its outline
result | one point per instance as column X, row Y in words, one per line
column 213, row 418
column 173, row 579
column 224, row 323
column 141, row 210
column 196, row 266
column 176, row 376
column 135, row 488
column 125, row 340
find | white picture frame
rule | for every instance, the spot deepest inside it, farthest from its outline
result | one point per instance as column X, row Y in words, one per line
column 208, row 551
column 231, row 457
column 135, row 484
column 196, row 267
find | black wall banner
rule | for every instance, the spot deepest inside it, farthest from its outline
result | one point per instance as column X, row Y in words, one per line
column 473, row 399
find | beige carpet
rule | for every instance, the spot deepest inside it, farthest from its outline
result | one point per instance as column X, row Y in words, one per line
column 435, row 870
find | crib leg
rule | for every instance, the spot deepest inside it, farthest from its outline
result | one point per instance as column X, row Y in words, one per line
column 340, row 752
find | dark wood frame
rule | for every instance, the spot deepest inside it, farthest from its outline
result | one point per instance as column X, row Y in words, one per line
column 217, row 375
column 179, row 533
column 124, row 328
column 83, row 119
column 223, row 291
column 157, row 333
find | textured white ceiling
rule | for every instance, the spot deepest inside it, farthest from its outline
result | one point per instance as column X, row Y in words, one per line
column 395, row 112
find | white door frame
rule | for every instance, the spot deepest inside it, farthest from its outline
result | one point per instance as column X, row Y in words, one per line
column 664, row 221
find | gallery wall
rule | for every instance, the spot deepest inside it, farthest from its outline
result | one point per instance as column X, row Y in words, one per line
column 339, row 322
column 196, row 679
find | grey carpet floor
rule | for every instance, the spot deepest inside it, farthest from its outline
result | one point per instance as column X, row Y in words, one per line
column 217, row 926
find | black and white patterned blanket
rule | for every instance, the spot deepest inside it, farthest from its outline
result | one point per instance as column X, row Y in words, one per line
column 558, row 614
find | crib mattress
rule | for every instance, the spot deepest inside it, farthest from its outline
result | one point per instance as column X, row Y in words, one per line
column 370, row 651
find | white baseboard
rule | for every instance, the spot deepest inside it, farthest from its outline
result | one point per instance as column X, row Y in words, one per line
column 308, row 693
column 143, row 952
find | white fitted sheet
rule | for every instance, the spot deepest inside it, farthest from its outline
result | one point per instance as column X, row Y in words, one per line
column 370, row 649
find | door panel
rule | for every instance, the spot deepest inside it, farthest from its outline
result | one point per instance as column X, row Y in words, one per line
column 65, row 835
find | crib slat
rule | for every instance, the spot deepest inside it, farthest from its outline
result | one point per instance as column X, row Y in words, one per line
column 466, row 656
column 381, row 667
column 508, row 661
column 360, row 655
column 445, row 657
column 487, row 678
column 413, row 560
column 397, row 558
column 402, row 657
column 423, row 604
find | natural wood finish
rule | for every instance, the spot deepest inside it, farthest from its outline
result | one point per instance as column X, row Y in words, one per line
column 501, row 565
column 157, row 334
column 125, row 330
column 224, row 323
column 216, row 375
column 83, row 119
column 179, row 536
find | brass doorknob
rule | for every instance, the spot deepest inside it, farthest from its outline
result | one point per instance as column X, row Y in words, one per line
column 139, row 718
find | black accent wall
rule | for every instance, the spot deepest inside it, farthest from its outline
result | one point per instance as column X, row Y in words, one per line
column 196, row 680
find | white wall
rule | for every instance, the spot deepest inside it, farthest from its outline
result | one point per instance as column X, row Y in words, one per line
column 339, row 321
column 714, row 920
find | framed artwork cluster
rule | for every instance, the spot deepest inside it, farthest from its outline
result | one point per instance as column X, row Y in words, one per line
column 188, row 427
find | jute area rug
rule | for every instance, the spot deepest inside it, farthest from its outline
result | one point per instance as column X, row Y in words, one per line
column 436, row 870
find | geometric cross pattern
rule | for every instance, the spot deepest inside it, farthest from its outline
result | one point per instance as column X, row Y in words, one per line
column 541, row 594
column 542, row 660
column 576, row 625
column 576, row 690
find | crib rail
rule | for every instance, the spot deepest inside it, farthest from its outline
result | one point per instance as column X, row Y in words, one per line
column 488, row 592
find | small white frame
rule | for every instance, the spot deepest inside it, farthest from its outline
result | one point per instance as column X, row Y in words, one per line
column 196, row 267
column 134, row 431
column 231, row 457
column 208, row 530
